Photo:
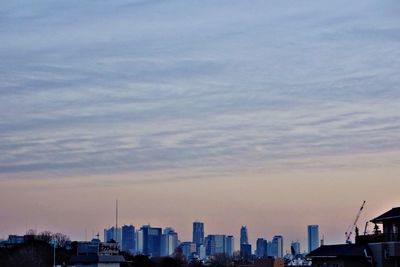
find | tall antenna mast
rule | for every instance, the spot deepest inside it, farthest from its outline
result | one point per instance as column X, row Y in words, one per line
column 116, row 220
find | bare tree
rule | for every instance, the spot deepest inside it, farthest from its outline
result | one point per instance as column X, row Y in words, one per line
column 60, row 239
column 31, row 232
column 45, row 236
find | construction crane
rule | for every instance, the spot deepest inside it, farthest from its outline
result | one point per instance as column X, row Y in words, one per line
column 351, row 228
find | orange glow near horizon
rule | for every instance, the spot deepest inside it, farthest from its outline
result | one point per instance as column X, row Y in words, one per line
column 269, row 204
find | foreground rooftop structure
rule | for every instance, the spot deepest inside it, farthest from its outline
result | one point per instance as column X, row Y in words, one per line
column 379, row 249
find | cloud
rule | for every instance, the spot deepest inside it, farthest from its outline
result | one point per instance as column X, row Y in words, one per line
column 99, row 87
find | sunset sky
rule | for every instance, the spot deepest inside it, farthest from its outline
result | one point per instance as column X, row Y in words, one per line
column 273, row 114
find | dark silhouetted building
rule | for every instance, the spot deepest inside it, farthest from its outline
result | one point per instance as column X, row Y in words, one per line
column 97, row 254
column 379, row 249
column 346, row 255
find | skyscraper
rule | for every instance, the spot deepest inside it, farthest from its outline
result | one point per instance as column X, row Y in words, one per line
column 109, row 234
column 262, row 248
column 128, row 238
column 244, row 239
column 198, row 233
column 149, row 241
column 312, row 237
column 296, row 247
column 188, row 249
column 215, row 244
column 229, row 245
column 277, row 246
column 169, row 242
column 269, row 248
column 245, row 251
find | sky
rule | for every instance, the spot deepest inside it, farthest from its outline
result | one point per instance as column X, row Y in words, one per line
column 273, row 114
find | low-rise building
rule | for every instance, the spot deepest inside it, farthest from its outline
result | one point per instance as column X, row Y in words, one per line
column 96, row 254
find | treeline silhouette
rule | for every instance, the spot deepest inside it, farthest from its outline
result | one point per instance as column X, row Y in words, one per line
column 38, row 250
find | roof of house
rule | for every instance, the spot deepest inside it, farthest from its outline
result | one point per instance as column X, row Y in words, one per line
column 338, row 251
column 389, row 215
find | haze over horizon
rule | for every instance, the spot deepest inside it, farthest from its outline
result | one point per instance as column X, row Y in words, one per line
column 273, row 114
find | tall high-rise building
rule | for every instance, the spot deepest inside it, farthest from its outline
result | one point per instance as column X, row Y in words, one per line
column 128, row 238
column 229, row 245
column 277, row 246
column 269, row 248
column 149, row 241
column 169, row 242
column 296, row 247
column 110, row 234
column 198, row 233
column 215, row 244
column 245, row 251
column 244, row 239
column 312, row 237
column 262, row 248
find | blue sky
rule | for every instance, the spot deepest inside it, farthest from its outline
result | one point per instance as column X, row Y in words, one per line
column 99, row 86
column 112, row 93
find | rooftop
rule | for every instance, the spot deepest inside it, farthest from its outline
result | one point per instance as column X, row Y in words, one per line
column 394, row 213
column 339, row 251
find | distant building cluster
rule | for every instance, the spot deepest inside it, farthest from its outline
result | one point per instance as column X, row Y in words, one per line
column 135, row 247
column 159, row 242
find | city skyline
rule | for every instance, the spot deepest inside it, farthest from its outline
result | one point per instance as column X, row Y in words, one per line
column 199, row 233
column 270, row 114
